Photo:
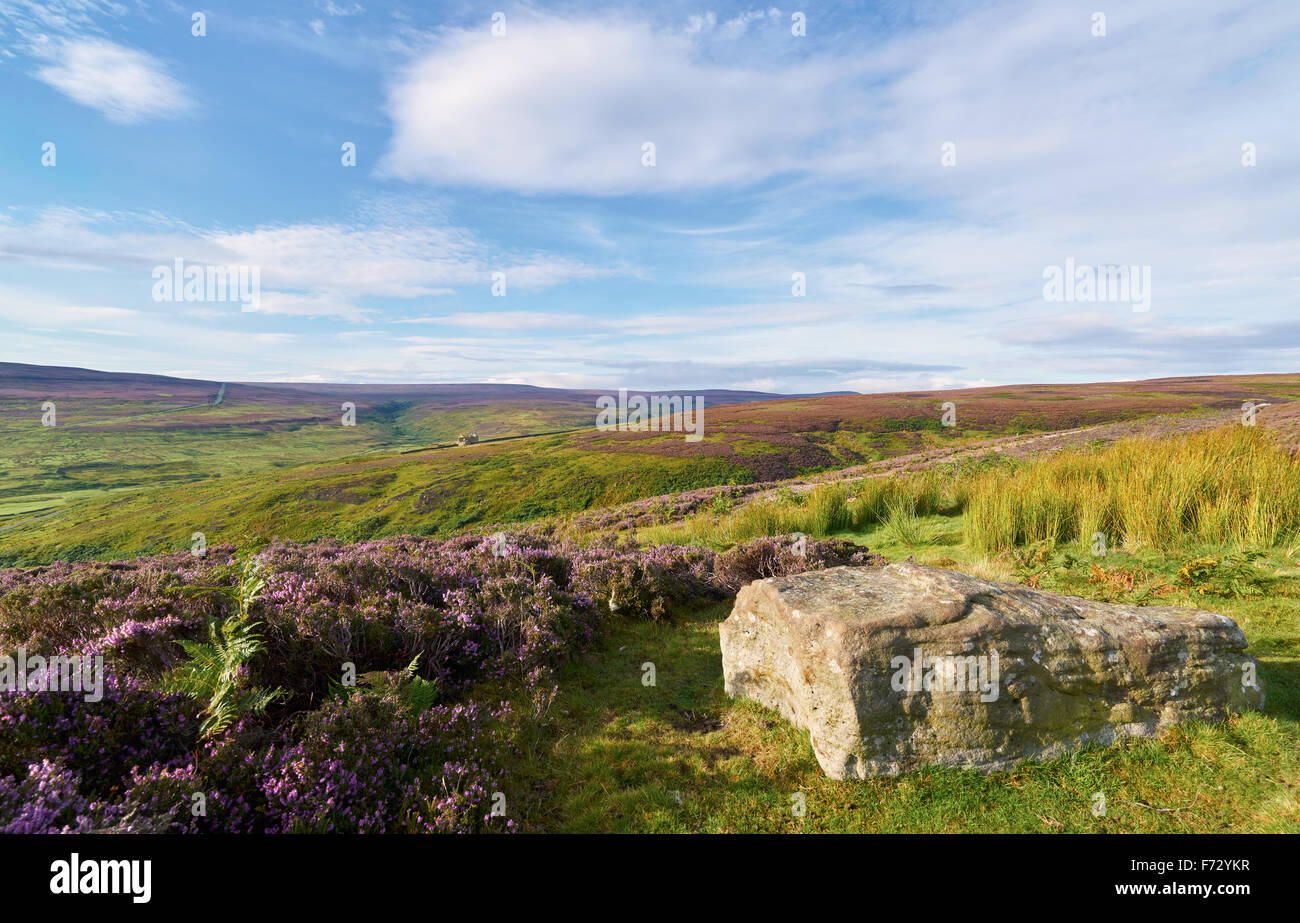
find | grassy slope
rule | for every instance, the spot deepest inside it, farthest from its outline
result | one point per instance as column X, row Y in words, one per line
column 49, row 467
column 618, row 756
column 494, row 421
column 428, row 492
column 680, row 756
column 265, row 464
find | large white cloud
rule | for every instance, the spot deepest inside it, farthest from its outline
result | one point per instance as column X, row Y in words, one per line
column 567, row 105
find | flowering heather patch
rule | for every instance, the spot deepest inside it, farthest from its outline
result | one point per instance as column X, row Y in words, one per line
column 469, row 614
column 644, row 584
column 144, row 646
column 776, row 557
column 45, row 800
column 133, row 725
column 366, row 764
column 49, row 799
column 63, row 607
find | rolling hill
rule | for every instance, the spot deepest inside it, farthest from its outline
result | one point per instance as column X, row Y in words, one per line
column 138, row 463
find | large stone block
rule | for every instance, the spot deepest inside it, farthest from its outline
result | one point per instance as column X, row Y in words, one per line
column 897, row 667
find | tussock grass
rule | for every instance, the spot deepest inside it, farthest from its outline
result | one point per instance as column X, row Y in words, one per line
column 1232, row 486
column 903, row 526
column 852, row 506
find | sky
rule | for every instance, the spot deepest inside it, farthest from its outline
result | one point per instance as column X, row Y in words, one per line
column 840, row 196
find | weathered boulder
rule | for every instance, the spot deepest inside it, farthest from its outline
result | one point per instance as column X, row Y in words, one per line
column 897, row 667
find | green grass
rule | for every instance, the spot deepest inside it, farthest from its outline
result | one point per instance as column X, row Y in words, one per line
column 105, row 451
column 820, row 511
column 1230, row 486
column 435, row 492
column 493, row 421
column 1234, row 485
column 616, row 756
column 72, row 461
column 613, row 755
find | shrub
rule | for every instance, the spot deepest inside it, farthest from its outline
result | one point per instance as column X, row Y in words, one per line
column 777, row 557
column 368, row 764
column 143, row 648
column 643, row 584
column 133, row 725
column 64, row 607
column 45, row 799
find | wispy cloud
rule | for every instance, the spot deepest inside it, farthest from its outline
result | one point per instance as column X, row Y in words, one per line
column 124, row 84
column 775, row 154
column 329, row 265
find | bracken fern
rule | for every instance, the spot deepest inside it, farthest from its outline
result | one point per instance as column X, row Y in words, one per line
column 216, row 671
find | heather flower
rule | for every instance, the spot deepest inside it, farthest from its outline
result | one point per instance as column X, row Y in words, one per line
column 328, row 758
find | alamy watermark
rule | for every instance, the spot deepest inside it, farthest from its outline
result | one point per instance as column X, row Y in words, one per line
column 946, row 673
column 75, row 875
column 195, row 282
column 669, row 413
column 57, row 673
column 1084, row 283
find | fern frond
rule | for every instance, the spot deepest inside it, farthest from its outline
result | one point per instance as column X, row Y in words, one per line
column 213, row 673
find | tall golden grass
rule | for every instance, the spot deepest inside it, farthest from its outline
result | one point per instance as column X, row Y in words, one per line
column 818, row 511
column 1230, row 486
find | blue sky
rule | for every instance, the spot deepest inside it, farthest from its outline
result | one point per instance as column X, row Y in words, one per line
column 821, row 154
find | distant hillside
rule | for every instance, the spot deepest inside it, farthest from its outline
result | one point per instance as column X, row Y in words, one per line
column 137, row 463
column 119, row 434
column 782, row 438
column 397, row 417
column 44, row 382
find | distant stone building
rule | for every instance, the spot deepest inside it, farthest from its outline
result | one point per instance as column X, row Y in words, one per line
column 467, row 439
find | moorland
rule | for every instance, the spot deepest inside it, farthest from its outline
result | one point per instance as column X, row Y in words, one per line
column 497, row 603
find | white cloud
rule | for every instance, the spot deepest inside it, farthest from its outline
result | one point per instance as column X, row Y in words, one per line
column 21, row 307
column 107, row 333
column 126, row 85
column 720, row 319
column 701, row 23
column 566, row 106
column 505, row 320
column 910, row 383
column 740, row 24
column 387, row 259
column 305, row 269
column 310, row 305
